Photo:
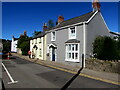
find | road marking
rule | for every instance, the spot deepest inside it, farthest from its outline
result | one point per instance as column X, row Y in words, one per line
column 12, row 81
column 92, row 77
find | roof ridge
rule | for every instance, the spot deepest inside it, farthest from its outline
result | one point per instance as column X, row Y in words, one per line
column 78, row 16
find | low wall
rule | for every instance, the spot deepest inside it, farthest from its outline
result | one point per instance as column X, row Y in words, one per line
column 102, row 65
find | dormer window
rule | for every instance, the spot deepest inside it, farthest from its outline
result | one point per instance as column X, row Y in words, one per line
column 53, row 36
column 72, row 33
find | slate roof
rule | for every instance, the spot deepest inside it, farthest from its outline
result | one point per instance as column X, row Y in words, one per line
column 73, row 41
column 75, row 20
column 39, row 35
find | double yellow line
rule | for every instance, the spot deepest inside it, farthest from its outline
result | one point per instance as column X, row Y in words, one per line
column 96, row 78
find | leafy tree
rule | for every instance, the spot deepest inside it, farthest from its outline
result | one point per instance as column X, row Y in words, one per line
column 105, row 48
column 6, row 45
column 21, row 39
column 25, row 47
column 24, row 44
column 50, row 24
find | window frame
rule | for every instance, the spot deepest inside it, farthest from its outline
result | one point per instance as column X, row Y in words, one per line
column 69, row 32
column 52, row 36
column 69, row 51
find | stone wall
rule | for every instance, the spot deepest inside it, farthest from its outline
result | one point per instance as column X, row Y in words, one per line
column 102, row 65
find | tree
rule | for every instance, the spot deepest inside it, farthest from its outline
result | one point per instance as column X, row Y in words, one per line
column 6, row 45
column 24, row 44
column 105, row 48
column 50, row 24
column 25, row 47
column 21, row 39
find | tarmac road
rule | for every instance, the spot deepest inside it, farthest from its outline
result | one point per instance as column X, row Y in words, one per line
column 31, row 75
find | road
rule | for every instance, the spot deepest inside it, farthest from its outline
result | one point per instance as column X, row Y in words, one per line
column 31, row 75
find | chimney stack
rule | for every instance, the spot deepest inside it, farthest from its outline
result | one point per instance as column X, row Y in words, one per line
column 96, row 5
column 44, row 27
column 25, row 33
column 60, row 19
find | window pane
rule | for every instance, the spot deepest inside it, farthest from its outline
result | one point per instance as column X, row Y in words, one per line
column 69, row 47
column 76, row 55
column 72, row 47
column 72, row 55
column 53, row 35
column 69, row 55
column 76, row 47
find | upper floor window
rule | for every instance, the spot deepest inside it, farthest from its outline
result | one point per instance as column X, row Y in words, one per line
column 53, row 36
column 40, row 40
column 72, row 33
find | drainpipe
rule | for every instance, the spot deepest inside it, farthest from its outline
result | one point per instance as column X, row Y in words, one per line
column 84, row 45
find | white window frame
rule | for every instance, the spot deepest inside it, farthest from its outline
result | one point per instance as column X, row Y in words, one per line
column 52, row 36
column 69, row 33
column 40, row 40
column 40, row 52
column 70, row 51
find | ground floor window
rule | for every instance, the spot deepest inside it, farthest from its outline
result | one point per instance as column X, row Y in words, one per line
column 40, row 53
column 72, row 52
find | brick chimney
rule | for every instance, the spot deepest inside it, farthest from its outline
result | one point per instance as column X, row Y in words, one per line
column 25, row 33
column 96, row 5
column 60, row 19
column 45, row 27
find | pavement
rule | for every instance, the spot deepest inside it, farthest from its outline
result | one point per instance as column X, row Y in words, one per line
column 97, row 75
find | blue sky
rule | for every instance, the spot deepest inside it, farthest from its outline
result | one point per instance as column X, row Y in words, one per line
column 30, row 16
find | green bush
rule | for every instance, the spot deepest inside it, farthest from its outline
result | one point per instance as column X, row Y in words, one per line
column 25, row 47
column 106, row 48
column 24, row 44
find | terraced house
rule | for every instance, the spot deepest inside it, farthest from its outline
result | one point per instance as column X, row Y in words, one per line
column 71, row 41
column 38, row 45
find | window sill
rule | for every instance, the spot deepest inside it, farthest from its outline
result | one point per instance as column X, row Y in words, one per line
column 52, row 40
column 76, row 61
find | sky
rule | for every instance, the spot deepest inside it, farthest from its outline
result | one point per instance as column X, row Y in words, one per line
column 30, row 16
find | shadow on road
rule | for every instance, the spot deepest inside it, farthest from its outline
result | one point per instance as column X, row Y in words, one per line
column 3, row 87
column 71, row 80
column 75, row 76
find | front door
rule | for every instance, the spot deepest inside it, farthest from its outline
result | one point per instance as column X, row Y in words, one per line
column 53, row 54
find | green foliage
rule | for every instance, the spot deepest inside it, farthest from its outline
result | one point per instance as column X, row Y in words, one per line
column 21, row 39
column 50, row 24
column 25, row 47
column 24, row 44
column 6, row 45
column 106, row 48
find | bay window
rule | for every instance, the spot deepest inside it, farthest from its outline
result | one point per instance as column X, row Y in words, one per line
column 72, row 52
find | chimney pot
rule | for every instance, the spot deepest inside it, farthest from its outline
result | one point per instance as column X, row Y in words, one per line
column 44, row 27
column 60, row 19
column 96, row 5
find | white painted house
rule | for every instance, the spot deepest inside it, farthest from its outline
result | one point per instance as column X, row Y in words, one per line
column 14, row 44
column 38, row 45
